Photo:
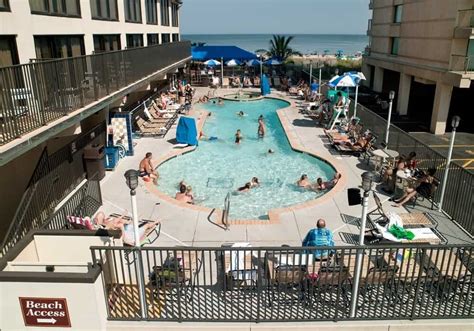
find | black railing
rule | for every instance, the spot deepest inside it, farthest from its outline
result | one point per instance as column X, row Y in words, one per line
column 84, row 202
column 288, row 284
column 458, row 200
column 54, row 177
column 35, row 94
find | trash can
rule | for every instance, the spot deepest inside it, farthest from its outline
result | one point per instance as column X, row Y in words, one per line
column 111, row 157
column 94, row 161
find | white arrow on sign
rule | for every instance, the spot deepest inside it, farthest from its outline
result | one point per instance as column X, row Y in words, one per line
column 46, row 320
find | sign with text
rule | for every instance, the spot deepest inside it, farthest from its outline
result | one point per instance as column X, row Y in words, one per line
column 51, row 312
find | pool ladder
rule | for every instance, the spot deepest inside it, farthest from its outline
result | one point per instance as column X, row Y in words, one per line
column 225, row 212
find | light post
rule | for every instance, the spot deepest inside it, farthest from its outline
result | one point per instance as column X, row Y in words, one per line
column 391, row 96
column 222, row 71
column 131, row 177
column 356, row 97
column 367, row 179
column 320, row 72
column 454, row 124
column 310, row 71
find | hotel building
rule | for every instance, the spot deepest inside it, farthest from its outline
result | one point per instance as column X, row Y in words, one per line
column 64, row 65
column 424, row 51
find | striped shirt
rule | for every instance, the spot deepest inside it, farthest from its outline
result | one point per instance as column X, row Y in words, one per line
column 318, row 237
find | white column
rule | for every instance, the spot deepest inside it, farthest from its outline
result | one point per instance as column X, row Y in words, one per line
column 403, row 94
column 441, row 105
column 378, row 79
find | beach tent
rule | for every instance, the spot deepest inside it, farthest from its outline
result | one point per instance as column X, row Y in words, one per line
column 265, row 85
column 225, row 53
column 186, row 132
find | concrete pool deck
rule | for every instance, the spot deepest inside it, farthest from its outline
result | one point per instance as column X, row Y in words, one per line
column 182, row 225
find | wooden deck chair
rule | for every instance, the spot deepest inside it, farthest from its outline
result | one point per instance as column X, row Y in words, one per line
column 147, row 130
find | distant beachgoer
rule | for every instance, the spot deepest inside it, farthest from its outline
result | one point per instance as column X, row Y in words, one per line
column 238, row 137
column 303, row 181
column 261, row 127
column 254, row 182
column 245, row 188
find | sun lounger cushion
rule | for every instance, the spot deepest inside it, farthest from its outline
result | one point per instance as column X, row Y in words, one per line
column 78, row 222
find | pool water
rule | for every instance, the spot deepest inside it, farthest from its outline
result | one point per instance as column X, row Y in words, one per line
column 220, row 166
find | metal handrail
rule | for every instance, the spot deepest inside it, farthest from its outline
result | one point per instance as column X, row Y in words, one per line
column 226, row 211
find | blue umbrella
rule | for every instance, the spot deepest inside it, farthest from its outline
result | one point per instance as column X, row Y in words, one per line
column 233, row 63
column 212, row 63
column 253, row 63
column 272, row 62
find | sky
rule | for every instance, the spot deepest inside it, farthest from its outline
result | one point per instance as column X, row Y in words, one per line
column 274, row 16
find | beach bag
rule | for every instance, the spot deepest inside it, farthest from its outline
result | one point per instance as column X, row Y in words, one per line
column 400, row 233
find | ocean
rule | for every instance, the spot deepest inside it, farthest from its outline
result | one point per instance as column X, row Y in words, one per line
column 304, row 43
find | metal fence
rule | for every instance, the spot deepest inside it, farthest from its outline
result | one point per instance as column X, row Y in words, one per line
column 281, row 284
column 54, row 177
column 459, row 196
column 35, row 94
column 84, row 202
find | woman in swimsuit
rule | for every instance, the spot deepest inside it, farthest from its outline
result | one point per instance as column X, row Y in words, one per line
column 425, row 189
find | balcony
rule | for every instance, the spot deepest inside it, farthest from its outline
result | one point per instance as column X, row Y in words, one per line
column 371, row 4
column 369, row 27
column 36, row 94
column 462, row 63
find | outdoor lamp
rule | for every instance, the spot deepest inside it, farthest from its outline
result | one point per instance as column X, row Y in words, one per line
column 455, row 122
column 391, row 95
column 131, row 177
column 367, row 179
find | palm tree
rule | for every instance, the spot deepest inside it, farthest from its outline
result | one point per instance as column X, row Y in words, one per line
column 279, row 47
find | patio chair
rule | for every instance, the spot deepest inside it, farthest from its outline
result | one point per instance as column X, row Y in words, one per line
column 379, row 285
column 238, row 271
column 225, row 82
column 429, row 196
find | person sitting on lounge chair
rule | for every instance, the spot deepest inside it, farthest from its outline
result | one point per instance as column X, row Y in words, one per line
column 146, row 169
column 128, row 233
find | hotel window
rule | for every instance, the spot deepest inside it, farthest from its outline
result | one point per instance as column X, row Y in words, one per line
column 397, row 17
column 106, row 43
column 8, row 51
column 165, row 38
column 395, row 45
column 151, row 11
column 174, row 14
column 4, row 5
column 153, row 39
column 52, row 47
column 133, row 11
column 165, row 12
column 69, row 8
column 134, row 40
column 104, row 10
column 175, row 37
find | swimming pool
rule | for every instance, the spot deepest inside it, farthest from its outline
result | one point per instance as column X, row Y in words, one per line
column 221, row 166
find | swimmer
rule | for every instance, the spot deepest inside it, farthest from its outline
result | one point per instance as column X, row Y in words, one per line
column 238, row 137
column 189, row 192
column 220, row 102
column 254, row 182
column 245, row 188
column 209, row 115
column 303, row 181
column 241, row 113
column 181, row 195
column 319, row 185
column 271, row 151
column 261, row 127
column 333, row 181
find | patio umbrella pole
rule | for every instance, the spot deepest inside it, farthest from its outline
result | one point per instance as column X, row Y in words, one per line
column 355, row 101
column 319, row 87
column 310, row 72
column 222, row 71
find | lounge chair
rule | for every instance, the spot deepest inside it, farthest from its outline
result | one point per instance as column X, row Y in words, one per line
column 225, row 82
column 149, row 130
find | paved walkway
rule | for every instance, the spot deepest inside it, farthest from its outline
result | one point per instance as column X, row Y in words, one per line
column 182, row 225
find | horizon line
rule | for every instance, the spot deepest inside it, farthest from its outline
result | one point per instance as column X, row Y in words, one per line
column 272, row 33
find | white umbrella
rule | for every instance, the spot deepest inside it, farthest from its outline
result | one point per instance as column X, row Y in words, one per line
column 233, row 63
column 272, row 62
column 212, row 63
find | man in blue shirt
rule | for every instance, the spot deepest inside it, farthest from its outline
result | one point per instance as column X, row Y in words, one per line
column 319, row 237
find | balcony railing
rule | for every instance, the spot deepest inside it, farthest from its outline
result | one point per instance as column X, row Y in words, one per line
column 462, row 63
column 35, row 94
